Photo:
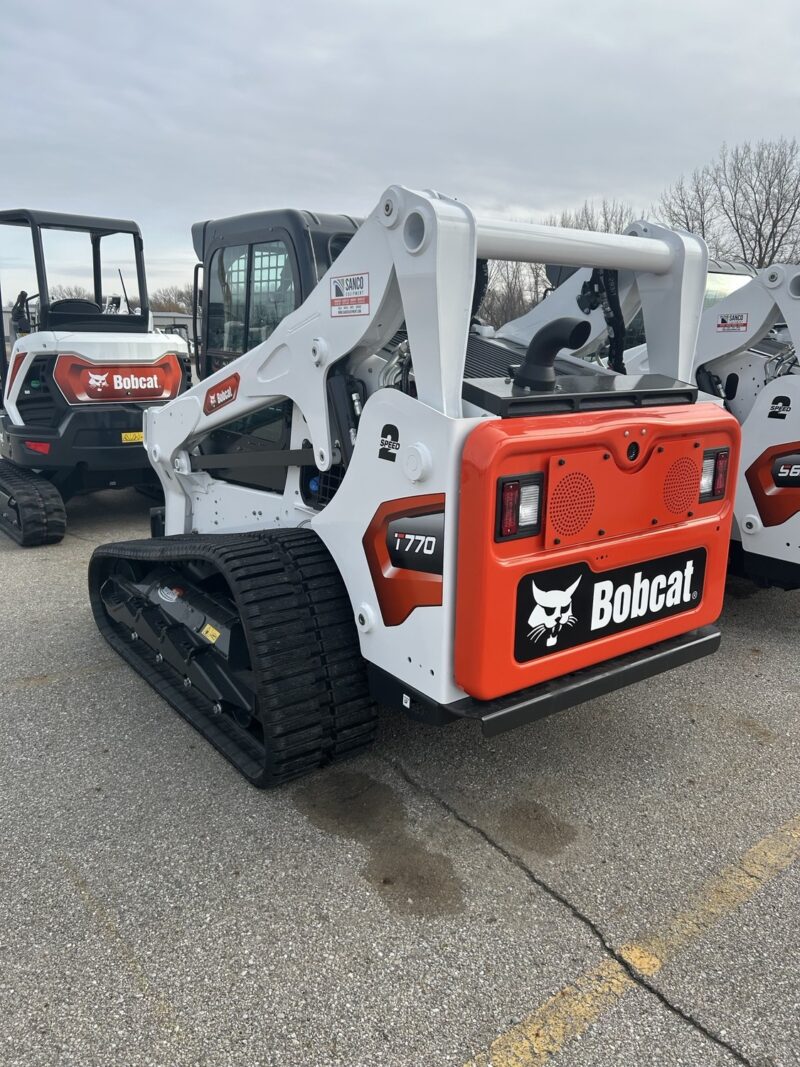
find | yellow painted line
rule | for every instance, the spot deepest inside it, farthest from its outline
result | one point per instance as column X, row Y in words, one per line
column 162, row 1009
column 572, row 1010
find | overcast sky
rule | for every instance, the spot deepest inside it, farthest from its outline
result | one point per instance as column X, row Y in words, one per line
column 182, row 110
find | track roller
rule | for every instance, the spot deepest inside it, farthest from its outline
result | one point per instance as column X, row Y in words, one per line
column 31, row 509
column 250, row 637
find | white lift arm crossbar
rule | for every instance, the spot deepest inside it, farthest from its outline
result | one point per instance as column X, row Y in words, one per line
column 531, row 243
column 668, row 283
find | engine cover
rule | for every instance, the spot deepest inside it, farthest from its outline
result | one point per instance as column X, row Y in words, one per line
column 625, row 553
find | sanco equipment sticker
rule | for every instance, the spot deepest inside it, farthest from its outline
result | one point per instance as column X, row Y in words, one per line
column 349, row 295
column 738, row 322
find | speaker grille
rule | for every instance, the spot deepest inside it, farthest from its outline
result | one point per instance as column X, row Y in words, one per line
column 682, row 485
column 572, row 504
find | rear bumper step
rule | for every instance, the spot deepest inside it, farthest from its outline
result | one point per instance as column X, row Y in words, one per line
column 537, row 702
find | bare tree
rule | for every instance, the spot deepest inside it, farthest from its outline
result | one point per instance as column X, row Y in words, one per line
column 70, row 292
column 745, row 203
column 79, row 292
column 513, row 289
column 758, row 192
column 173, row 298
column 607, row 216
column 692, row 204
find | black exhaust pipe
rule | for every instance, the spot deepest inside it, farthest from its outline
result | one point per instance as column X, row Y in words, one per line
column 538, row 371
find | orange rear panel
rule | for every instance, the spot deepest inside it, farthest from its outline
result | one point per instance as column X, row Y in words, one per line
column 627, row 556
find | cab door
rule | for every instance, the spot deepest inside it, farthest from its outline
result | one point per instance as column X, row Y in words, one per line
column 249, row 289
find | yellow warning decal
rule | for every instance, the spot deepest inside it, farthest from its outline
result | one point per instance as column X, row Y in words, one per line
column 132, row 437
column 210, row 633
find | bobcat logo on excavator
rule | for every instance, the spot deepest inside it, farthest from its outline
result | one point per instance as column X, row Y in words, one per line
column 97, row 381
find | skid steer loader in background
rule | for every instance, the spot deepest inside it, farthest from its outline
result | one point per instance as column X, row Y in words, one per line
column 377, row 505
column 77, row 378
column 746, row 358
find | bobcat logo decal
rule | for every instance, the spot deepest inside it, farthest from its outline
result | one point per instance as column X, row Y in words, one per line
column 565, row 607
column 551, row 613
column 98, row 381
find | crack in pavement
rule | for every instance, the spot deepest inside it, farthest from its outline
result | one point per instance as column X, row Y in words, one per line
column 619, row 957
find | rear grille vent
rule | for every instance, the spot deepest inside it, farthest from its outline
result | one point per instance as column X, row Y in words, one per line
column 682, row 485
column 36, row 403
column 572, row 504
column 329, row 482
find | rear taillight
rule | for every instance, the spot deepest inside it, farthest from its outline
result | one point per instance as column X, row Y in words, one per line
column 19, row 359
column 42, row 447
column 714, row 477
column 509, row 509
column 519, row 507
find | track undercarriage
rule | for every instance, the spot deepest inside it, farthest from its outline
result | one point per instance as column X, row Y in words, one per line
column 31, row 508
column 250, row 637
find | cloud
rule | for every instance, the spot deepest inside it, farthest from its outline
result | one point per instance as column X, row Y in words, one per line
column 171, row 113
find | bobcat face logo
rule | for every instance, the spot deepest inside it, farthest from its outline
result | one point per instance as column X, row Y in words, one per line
column 552, row 612
column 98, row 381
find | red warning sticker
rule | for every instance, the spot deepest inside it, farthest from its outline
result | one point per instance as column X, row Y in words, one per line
column 349, row 295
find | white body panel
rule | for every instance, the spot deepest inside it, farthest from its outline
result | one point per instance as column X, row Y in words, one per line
column 760, row 432
column 417, row 647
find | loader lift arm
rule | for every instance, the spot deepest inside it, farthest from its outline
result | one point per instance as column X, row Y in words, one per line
column 416, row 253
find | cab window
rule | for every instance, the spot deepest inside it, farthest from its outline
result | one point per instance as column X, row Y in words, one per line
column 227, row 300
column 719, row 286
column 271, row 290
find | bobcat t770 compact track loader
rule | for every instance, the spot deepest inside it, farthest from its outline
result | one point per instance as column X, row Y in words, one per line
column 377, row 505
column 77, row 379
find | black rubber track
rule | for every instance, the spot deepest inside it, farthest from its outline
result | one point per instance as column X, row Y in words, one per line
column 31, row 509
column 313, row 699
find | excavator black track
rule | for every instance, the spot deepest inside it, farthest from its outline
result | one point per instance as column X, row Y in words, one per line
column 250, row 637
column 31, row 509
